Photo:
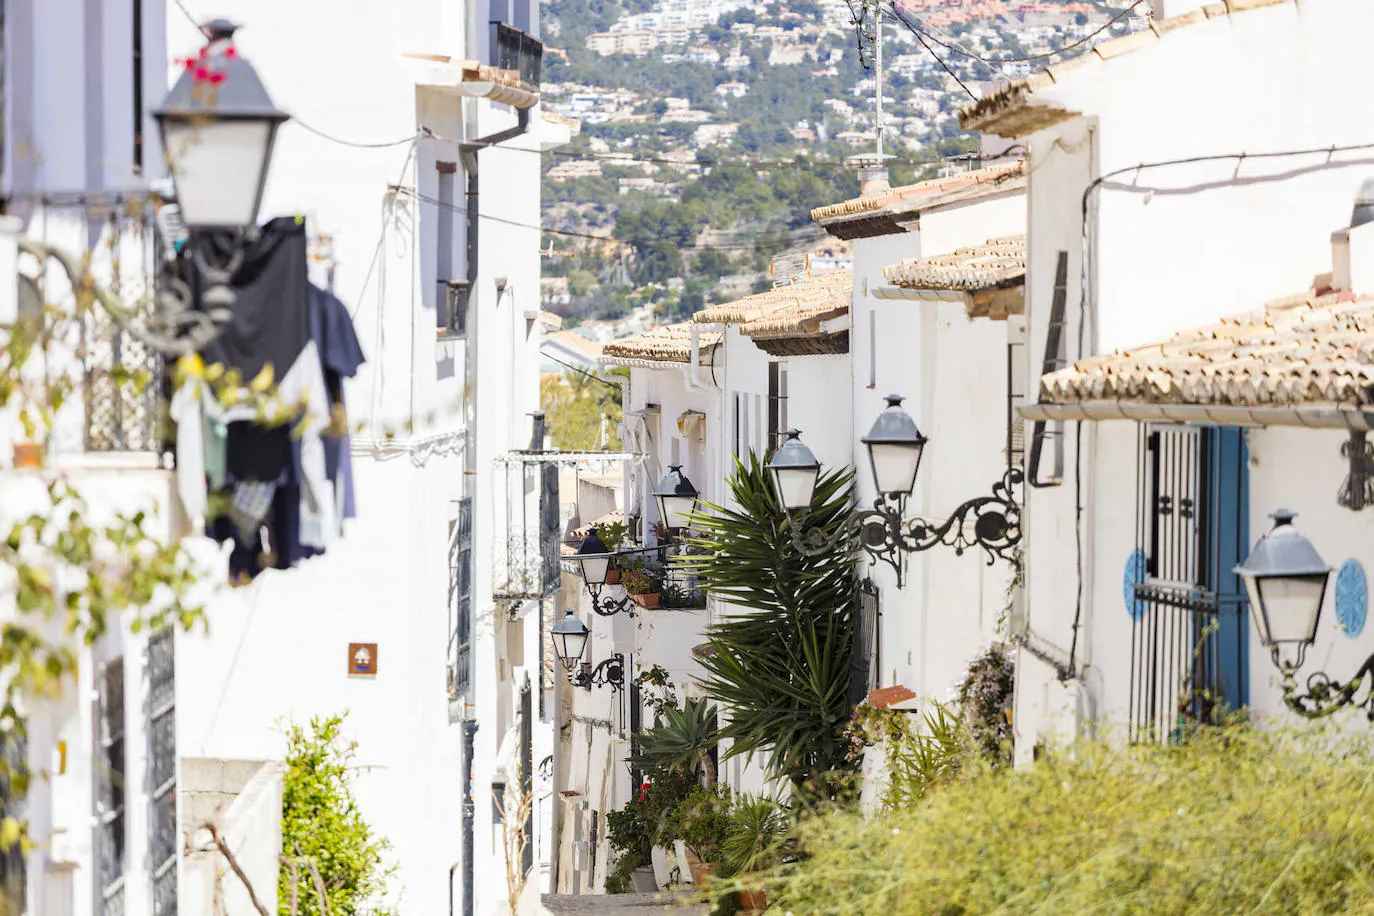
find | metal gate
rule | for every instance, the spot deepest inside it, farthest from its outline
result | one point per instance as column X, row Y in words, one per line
column 1188, row 613
column 109, row 784
column 863, row 664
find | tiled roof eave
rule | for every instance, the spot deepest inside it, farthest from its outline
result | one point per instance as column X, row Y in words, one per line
column 1012, row 112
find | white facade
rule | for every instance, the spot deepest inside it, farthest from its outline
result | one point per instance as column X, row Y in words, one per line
column 1174, row 247
column 436, row 413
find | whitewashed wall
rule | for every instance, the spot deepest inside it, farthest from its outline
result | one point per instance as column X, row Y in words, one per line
column 1177, row 247
column 278, row 648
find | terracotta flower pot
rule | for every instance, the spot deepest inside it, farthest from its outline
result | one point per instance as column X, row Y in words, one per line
column 701, row 871
column 612, row 576
column 646, row 601
column 753, row 900
column 28, row 455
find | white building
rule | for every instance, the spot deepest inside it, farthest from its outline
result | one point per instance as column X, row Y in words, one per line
column 423, row 167
column 1133, row 616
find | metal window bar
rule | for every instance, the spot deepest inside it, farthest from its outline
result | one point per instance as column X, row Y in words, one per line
column 460, row 570
column 110, row 769
column 527, row 772
column 1054, row 359
column 1185, row 593
column 163, row 770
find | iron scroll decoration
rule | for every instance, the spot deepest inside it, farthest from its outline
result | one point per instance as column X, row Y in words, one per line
column 610, row 673
column 992, row 523
column 1325, row 696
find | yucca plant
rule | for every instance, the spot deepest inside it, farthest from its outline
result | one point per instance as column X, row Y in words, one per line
column 781, row 669
column 682, row 741
column 755, row 835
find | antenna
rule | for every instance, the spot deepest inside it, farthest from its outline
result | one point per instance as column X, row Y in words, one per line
column 868, row 23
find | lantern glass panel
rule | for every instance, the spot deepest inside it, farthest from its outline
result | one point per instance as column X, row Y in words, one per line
column 219, row 168
column 796, row 486
column 569, row 646
column 676, row 509
column 894, row 466
column 594, row 569
column 1291, row 606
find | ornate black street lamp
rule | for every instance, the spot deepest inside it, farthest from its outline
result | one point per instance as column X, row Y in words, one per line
column 595, row 559
column 1286, row 579
column 677, row 499
column 219, row 128
column 570, row 642
column 895, row 446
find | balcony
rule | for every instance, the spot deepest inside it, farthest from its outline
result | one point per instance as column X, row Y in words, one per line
column 516, row 52
column 526, row 562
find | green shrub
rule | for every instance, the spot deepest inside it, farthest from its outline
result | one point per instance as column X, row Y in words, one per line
column 1231, row 821
column 321, row 822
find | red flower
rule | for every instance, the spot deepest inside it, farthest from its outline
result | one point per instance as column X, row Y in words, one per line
column 231, row 52
column 202, row 74
column 216, row 78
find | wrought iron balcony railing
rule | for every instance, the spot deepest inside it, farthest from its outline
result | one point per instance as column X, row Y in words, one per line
column 512, row 49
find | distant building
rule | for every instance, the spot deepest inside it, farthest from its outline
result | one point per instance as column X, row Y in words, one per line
column 732, row 90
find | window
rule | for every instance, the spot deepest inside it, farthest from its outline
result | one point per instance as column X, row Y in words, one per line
column 138, row 86
column 1188, row 611
column 109, row 778
column 460, row 568
column 777, row 405
column 1043, row 432
column 162, row 736
column 451, row 299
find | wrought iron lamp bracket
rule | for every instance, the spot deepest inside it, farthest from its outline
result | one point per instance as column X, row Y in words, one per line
column 607, row 606
column 1324, row 696
column 992, row 523
column 610, row 673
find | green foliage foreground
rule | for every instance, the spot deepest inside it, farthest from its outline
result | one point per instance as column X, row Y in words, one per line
column 1233, row 821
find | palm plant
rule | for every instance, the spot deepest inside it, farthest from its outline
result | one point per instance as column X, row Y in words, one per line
column 782, row 669
column 755, row 835
column 682, row 741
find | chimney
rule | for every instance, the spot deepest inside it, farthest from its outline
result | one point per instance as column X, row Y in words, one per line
column 1352, row 260
column 537, row 435
column 873, row 179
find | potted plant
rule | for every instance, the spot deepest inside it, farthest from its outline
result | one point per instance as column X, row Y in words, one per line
column 611, row 534
column 642, row 587
column 701, row 822
column 752, row 844
column 672, row 595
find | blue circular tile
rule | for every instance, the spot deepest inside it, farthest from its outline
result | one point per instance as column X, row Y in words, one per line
column 1352, row 598
column 1134, row 575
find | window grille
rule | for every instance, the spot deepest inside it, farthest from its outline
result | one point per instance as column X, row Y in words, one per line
column 109, row 779
column 460, row 569
column 163, row 770
column 1189, row 616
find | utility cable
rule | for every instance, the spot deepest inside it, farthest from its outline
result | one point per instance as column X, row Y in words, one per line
column 581, row 371
column 356, row 145
column 939, row 60
column 191, row 19
column 1033, row 57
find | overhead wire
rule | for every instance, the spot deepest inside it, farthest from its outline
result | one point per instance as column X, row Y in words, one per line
column 815, row 233
column 958, row 49
column 920, row 36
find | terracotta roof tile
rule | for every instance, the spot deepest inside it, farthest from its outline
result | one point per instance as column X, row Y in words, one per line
column 668, row 344
column 1298, row 350
column 997, row 262
column 820, row 291
column 930, row 193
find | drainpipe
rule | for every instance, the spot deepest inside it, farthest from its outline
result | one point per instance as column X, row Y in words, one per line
column 469, row 814
column 693, row 380
column 468, row 153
